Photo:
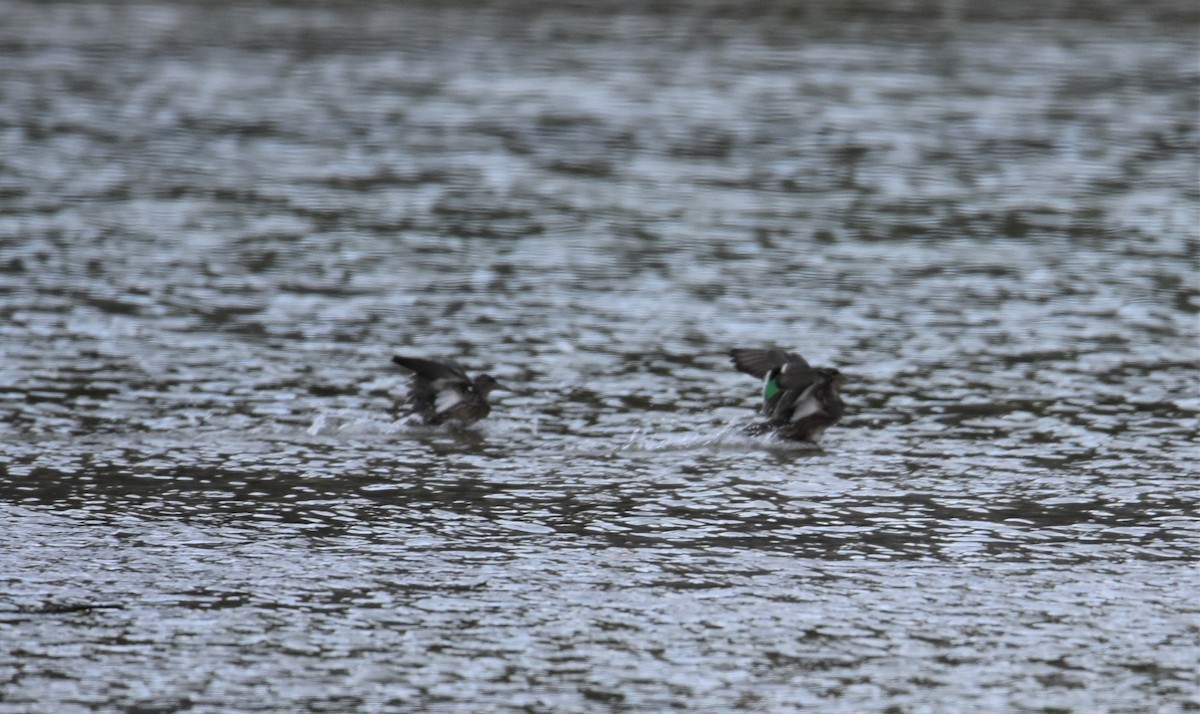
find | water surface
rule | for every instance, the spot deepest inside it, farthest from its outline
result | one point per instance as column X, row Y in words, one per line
column 218, row 221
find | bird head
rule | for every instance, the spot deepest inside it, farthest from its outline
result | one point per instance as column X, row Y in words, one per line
column 835, row 378
column 485, row 383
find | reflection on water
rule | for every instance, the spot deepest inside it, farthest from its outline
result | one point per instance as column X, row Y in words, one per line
column 218, row 223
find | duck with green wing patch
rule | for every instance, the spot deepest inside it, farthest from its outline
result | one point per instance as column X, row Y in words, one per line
column 800, row 402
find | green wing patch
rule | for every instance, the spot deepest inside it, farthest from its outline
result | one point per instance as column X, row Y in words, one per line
column 770, row 389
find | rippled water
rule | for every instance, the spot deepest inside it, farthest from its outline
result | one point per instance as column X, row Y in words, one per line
column 218, row 221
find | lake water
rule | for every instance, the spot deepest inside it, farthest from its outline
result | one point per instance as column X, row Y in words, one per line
column 218, row 221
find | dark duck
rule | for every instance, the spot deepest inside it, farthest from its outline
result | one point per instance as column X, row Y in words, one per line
column 441, row 391
column 800, row 402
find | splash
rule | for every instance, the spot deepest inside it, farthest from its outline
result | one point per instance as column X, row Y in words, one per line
column 354, row 422
column 730, row 436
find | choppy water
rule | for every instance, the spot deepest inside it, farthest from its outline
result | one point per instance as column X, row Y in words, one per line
column 217, row 222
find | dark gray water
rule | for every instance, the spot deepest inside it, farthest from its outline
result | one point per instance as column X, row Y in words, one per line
column 218, row 221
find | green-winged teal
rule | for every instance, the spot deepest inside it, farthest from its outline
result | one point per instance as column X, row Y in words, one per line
column 800, row 402
column 441, row 391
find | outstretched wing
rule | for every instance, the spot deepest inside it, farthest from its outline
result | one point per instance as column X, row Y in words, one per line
column 759, row 362
column 789, row 383
column 436, row 386
column 433, row 371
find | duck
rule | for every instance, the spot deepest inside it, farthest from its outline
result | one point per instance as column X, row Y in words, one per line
column 800, row 402
column 441, row 391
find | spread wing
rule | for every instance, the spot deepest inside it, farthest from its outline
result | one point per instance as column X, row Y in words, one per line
column 431, row 371
column 789, row 384
column 436, row 385
column 759, row 362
